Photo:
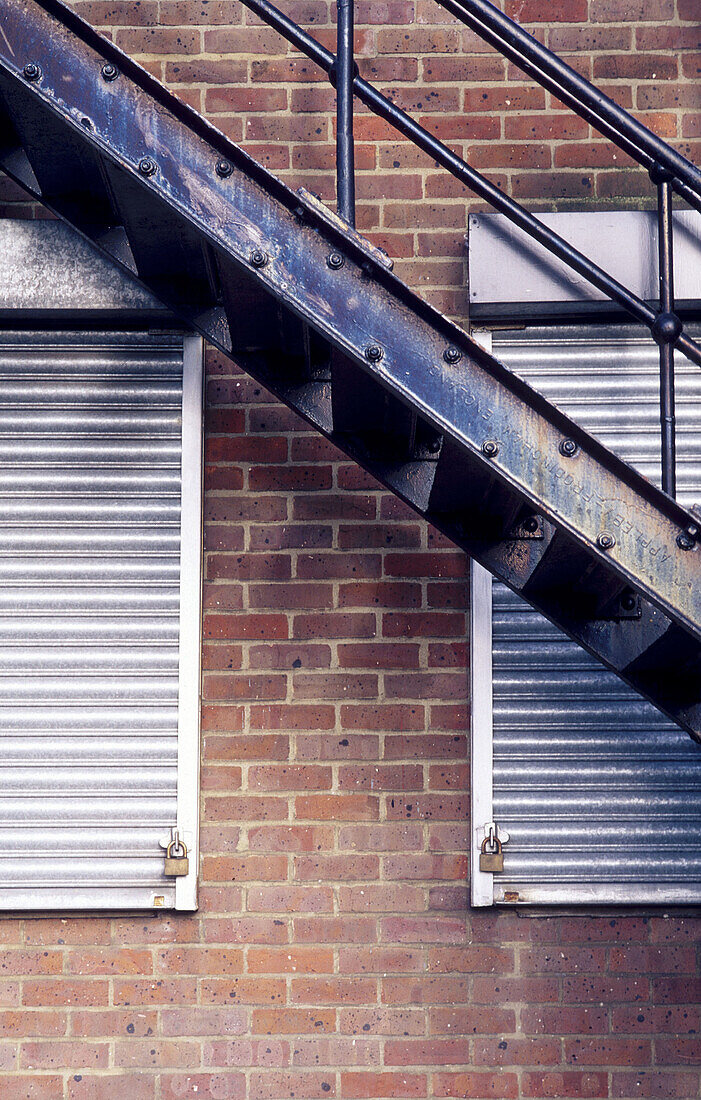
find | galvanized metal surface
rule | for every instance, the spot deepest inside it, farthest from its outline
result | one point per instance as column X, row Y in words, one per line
column 601, row 794
column 48, row 269
column 508, row 268
column 245, row 260
column 90, row 436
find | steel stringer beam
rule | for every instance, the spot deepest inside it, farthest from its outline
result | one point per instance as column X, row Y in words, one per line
column 222, row 242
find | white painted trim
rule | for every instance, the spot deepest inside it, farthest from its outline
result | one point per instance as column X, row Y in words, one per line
column 481, row 723
column 481, row 727
column 188, row 815
column 599, row 893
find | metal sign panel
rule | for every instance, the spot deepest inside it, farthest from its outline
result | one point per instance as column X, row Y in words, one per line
column 507, row 267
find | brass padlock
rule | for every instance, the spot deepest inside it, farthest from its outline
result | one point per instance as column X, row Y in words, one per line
column 176, row 862
column 491, row 861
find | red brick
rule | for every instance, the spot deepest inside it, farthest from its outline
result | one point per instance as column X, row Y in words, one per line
column 157, row 1054
column 346, row 929
column 381, row 777
column 289, row 777
column 340, row 868
column 503, row 1086
column 604, row 1051
column 64, row 1055
column 620, row 11
column 300, row 899
column 269, row 1086
column 248, row 627
column 203, row 1021
column 335, row 686
column 471, row 1021
column 137, row 1086
column 425, row 865
column 654, row 1085
column 427, row 1052
column 566, row 1020
column 63, row 993
column 334, row 625
column 357, row 746
column 532, row 11
column 289, row 960
column 290, row 597
column 652, row 1019
column 366, row 1085
column 681, row 1051
column 383, row 717
column 600, row 987
column 204, row 1086
column 198, row 960
column 668, row 959
column 417, row 624
column 564, row 1085
column 289, row 838
column 242, row 991
column 30, row 1087
column 471, row 960
column 333, row 990
column 120, row 960
column 154, row 991
column 292, row 1021
column 337, row 807
column 290, row 536
column 113, row 1023
column 379, row 594
column 292, row 717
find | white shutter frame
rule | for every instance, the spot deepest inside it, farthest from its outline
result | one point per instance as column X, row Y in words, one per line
column 190, row 619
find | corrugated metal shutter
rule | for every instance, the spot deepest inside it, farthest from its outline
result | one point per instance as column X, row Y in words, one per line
column 601, row 795
column 91, row 429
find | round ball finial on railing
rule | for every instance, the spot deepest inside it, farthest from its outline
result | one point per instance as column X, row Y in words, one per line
column 659, row 174
column 666, row 328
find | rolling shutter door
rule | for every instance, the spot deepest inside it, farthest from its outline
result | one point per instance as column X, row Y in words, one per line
column 600, row 794
column 98, row 694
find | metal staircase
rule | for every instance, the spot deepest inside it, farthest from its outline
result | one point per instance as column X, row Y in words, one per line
column 300, row 301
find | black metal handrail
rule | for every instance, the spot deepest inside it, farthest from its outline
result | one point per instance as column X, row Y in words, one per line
column 667, row 168
column 576, row 92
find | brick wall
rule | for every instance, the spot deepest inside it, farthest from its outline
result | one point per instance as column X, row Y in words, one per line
column 334, row 954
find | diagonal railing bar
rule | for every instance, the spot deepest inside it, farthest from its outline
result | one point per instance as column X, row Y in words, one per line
column 471, row 177
column 584, row 98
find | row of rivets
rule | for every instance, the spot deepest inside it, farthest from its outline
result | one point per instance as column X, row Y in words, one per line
column 32, row 71
column 666, row 329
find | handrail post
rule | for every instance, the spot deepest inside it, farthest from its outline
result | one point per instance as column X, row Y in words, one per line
column 667, row 326
column 345, row 74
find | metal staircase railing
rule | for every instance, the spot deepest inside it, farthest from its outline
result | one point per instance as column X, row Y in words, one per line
column 669, row 171
column 294, row 296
